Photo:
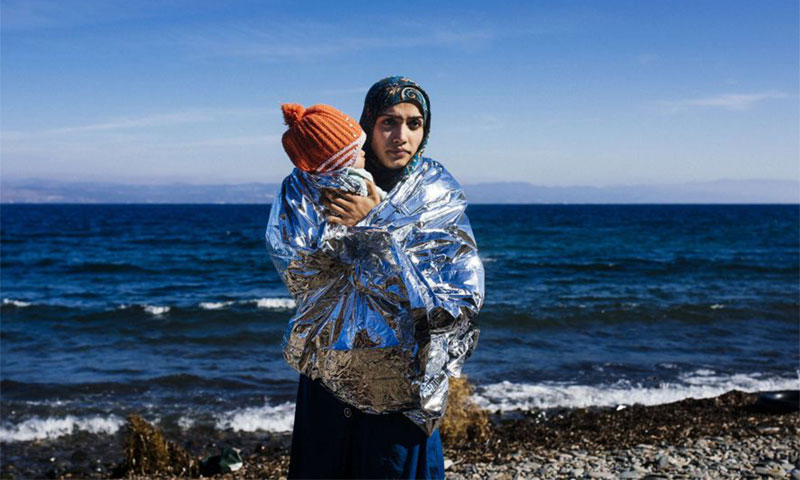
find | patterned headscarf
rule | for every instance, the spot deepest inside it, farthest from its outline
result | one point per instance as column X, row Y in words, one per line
column 383, row 94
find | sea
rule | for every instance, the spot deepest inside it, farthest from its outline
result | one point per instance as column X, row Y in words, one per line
column 175, row 312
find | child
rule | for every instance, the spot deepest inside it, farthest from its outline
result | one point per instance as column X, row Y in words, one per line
column 322, row 140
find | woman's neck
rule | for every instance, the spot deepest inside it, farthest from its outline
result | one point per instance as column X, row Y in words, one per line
column 386, row 178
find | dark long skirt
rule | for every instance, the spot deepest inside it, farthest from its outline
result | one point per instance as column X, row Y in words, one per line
column 331, row 439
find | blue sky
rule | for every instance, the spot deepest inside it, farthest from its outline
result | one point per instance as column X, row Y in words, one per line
column 552, row 93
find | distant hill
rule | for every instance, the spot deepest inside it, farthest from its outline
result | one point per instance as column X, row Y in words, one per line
column 720, row 191
column 49, row 191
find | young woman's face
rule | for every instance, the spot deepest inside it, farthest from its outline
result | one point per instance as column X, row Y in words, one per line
column 397, row 135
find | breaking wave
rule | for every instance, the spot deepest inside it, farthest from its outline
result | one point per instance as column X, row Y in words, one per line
column 275, row 303
column 37, row 428
column 268, row 418
column 698, row 384
column 15, row 303
column 214, row 305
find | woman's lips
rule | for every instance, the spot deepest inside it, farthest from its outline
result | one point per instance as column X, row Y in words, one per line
column 398, row 151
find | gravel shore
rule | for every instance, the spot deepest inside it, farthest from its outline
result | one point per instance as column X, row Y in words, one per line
column 722, row 437
column 768, row 456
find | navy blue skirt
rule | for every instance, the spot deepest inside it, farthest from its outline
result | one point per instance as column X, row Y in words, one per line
column 331, row 439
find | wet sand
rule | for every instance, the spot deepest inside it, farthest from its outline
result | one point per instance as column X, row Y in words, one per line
column 722, row 437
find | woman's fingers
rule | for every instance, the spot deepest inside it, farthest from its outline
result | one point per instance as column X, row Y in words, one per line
column 342, row 202
column 336, row 209
column 337, row 198
column 344, row 198
column 349, row 209
column 346, row 221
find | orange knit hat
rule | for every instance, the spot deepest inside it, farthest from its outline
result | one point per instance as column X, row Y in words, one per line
column 321, row 138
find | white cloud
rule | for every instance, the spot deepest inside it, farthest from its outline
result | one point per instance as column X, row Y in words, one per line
column 228, row 142
column 282, row 42
column 140, row 122
column 176, row 143
column 157, row 120
column 44, row 14
column 728, row 101
column 128, row 146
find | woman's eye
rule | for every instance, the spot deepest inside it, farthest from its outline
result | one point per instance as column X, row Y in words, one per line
column 415, row 124
column 387, row 122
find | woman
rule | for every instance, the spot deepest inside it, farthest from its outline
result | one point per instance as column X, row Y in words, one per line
column 386, row 293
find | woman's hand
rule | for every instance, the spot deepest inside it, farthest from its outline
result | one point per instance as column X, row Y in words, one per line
column 348, row 209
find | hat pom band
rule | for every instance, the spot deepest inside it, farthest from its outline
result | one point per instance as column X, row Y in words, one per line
column 344, row 157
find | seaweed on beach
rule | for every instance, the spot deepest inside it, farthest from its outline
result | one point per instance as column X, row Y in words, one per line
column 147, row 452
column 510, row 437
column 733, row 413
column 464, row 422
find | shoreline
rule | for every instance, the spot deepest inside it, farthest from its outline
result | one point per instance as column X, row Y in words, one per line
column 721, row 436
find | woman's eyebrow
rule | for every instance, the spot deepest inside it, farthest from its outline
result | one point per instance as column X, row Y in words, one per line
column 415, row 117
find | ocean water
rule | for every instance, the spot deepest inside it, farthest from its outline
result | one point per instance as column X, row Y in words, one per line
column 175, row 311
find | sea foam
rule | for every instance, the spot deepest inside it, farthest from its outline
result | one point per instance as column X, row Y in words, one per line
column 52, row 427
column 214, row 305
column 268, row 418
column 156, row 309
column 185, row 423
column 276, row 303
column 15, row 303
column 699, row 384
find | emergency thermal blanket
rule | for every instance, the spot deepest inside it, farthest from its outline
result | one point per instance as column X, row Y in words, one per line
column 385, row 309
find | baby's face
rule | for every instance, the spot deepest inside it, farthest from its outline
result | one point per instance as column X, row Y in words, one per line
column 360, row 159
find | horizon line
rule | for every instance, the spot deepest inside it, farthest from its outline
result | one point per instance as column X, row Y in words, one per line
column 744, row 204
column 270, row 182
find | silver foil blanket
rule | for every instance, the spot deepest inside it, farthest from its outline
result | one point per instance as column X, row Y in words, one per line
column 385, row 309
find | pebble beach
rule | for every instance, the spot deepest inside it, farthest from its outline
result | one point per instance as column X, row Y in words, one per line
column 768, row 456
column 722, row 437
